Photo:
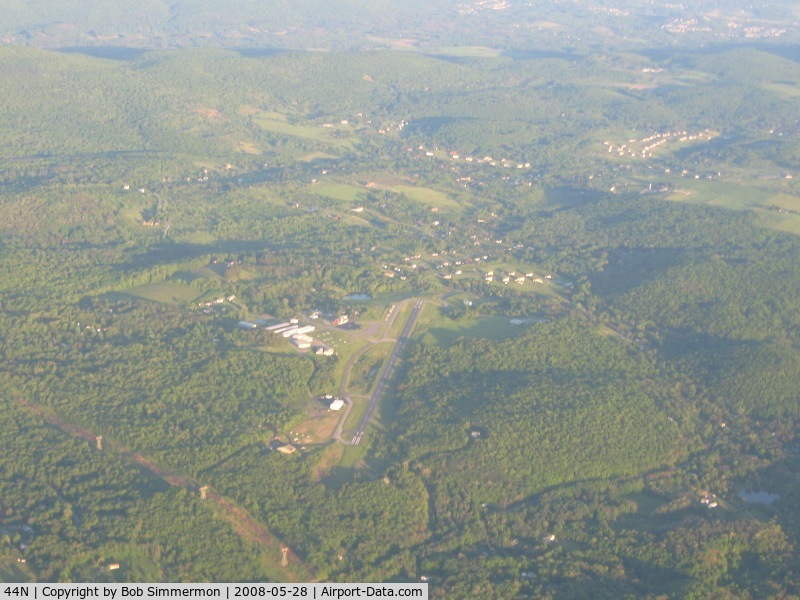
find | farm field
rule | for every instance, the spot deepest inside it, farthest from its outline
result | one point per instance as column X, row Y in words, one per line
column 338, row 191
column 165, row 292
column 439, row 329
column 429, row 197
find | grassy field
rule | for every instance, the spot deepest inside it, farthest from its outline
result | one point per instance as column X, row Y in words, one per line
column 135, row 206
column 360, row 404
column 165, row 292
column 338, row 191
column 458, row 299
column 399, row 320
column 732, row 196
column 247, row 148
column 210, row 273
column 369, row 312
column 352, row 459
column 345, row 348
column 787, row 220
column 329, row 456
column 784, row 201
column 338, row 340
column 353, row 456
column 654, row 513
column 412, row 45
column 765, row 203
column 280, row 348
column 605, row 331
column 140, row 568
column 319, row 428
column 436, row 328
column 312, row 156
column 279, row 123
column 429, row 197
column 464, row 51
column 781, row 222
column 646, row 502
column 385, row 410
column 352, row 219
column 785, row 89
column 367, row 367
column 194, row 237
column 244, row 274
column 385, row 300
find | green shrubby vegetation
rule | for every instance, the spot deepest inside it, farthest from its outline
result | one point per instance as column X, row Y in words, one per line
column 72, row 510
column 150, row 376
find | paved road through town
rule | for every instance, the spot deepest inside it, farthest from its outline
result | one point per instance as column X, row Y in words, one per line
column 387, row 373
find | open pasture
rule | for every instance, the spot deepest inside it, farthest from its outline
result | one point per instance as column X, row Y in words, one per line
column 280, row 124
column 428, row 197
column 165, row 292
column 780, row 211
column 437, row 328
column 338, row 191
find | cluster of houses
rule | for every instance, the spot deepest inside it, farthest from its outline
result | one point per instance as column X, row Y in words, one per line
column 762, row 32
column 654, row 141
column 518, row 278
column 506, row 277
column 455, row 155
column 685, row 25
column 732, row 28
column 455, row 267
column 457, row 263
column 708, row 500
column 219, row 300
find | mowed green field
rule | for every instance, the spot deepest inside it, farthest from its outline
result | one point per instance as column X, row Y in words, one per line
column 790, row 223
column 465, row 51
column 360, row 406
column 338, row 191
column 436, row 328
column 786, row 202
column 367, row 367
column 279, row 124
column 429, row 197
column 165, row 292
column 785, row 89
column 717, row 193
column 775, row 210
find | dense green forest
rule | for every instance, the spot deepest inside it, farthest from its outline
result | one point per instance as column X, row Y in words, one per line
column 598, row 397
